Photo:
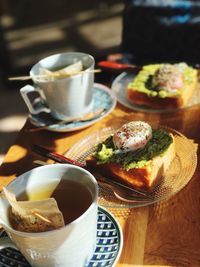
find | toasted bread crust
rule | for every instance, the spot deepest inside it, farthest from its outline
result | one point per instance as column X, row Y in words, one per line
column 145, row 178
column 140, row 98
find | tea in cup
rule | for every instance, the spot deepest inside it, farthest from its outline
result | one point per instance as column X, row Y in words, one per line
column 76, row 192
column 64, row 83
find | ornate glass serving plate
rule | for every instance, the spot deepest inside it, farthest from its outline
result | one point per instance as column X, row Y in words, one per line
column 174, row 179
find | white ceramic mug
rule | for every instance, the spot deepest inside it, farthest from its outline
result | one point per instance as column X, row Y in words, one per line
column 67, row 97
column 72, row 245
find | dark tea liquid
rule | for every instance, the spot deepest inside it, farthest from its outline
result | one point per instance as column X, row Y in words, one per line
column 73, row 199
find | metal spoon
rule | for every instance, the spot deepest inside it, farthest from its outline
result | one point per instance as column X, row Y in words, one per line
column 86, row 117
column 118, row 188
column 121, row 191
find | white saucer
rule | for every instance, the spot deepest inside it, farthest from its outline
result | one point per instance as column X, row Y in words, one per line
column 107, row 252
column 103, row 97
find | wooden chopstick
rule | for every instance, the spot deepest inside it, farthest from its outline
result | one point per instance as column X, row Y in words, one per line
column 52, row 75
column 55, row 156
column 45, row 152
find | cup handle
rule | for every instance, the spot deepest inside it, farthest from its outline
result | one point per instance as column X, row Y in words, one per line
column 24, row 91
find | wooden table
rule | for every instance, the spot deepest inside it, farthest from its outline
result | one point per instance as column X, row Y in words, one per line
column 163, row 234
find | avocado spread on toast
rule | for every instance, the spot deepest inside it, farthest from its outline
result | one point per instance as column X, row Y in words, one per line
column 157, row 145
column 142, row 82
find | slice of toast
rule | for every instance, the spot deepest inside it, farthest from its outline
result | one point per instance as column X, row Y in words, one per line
column 139, row 94
column 143, row 179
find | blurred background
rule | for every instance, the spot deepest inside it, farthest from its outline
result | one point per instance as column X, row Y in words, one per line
column 31, row 30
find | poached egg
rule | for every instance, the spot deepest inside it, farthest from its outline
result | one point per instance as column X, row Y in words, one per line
column 132, row 136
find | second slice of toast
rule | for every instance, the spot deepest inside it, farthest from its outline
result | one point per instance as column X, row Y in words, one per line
column 139, row 93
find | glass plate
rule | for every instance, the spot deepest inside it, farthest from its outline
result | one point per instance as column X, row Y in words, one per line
column 176, row 177
column 119, row 88
column 108, row 249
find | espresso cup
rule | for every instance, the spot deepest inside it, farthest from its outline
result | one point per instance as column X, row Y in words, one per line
column 64, row 98
column 72, row 245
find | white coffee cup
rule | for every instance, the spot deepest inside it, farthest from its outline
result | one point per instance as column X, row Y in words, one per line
column 66, row 97
column 72, row 245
